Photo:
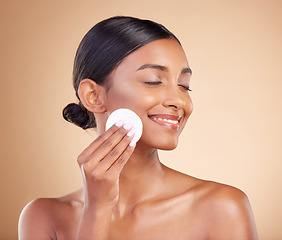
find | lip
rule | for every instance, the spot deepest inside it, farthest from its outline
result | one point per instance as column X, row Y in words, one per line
column 166, row 120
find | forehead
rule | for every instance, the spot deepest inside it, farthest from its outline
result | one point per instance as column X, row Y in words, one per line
column 165, row 52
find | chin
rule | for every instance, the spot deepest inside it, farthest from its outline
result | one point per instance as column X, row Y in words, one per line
column 167, row 148
column 164, row 142
column 166, row 145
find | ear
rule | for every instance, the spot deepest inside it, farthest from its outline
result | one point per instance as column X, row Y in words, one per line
column 92, row 96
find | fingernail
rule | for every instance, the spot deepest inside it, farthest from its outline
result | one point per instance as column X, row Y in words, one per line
column 132, row 144
column 127, row 126
column 130, row 133
column 119, row 123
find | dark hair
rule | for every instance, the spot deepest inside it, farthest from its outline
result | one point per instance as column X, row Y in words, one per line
column 102, row 49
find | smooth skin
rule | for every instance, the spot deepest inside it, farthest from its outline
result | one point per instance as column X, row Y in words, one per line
column 128, row 193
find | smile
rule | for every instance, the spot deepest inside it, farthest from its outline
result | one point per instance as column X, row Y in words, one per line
column 165, row 120
column 168, row 121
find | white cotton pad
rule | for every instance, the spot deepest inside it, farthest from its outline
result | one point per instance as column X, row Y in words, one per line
column 127, row 116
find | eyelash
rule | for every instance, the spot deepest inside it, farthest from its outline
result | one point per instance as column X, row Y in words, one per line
column 159, row 82
column 187, row 88
column 154, row 83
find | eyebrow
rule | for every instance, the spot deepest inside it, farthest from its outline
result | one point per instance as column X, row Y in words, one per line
column 163, row 68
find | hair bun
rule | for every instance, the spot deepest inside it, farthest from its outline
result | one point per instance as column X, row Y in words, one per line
column 80, row 116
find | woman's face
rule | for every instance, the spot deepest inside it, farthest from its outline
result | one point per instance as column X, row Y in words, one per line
column 153, row 82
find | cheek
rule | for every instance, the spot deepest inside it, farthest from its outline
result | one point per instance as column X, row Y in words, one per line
column 130, row 97
column 189, row 105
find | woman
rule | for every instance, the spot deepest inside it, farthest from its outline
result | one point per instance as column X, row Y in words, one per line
column 124, row 62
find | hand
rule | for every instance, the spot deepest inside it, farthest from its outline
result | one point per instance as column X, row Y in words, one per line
column 102, row 162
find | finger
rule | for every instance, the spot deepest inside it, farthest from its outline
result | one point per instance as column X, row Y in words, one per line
column 115, row 153
column 116, row 168
column 82, row 158
column 110, row 150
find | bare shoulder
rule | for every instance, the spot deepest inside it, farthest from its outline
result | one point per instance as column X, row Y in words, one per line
column 226, row 210
column 218, row 193
column 39, row 219
column 204, row 190
column 209, row 193
column 221, row 211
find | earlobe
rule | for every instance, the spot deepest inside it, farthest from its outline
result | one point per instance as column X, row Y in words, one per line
column 90, row 94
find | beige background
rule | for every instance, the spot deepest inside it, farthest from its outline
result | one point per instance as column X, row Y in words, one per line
column 234, row 135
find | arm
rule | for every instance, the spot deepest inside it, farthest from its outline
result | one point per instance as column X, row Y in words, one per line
column 94, row 223
column 101, row 164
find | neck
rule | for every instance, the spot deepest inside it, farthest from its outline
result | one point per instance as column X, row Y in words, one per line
column 141, row 179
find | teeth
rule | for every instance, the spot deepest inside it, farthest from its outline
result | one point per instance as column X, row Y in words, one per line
column 166, row 120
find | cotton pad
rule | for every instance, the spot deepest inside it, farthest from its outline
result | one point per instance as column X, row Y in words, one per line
column 127, row 116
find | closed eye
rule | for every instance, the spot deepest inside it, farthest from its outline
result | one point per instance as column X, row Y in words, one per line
column 185, row 87
column 154, row 83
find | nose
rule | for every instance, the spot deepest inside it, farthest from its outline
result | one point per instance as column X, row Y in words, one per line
column 174, row 98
